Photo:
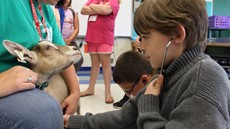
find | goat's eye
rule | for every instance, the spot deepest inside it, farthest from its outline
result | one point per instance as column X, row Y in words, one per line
column 48, row 48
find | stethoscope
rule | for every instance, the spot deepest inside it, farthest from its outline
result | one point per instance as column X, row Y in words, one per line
column 163, row 62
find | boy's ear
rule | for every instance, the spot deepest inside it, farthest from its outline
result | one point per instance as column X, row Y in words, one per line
column 145, row 79
column 180, row 35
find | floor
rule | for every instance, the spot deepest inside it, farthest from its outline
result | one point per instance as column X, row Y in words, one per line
column 96, row 103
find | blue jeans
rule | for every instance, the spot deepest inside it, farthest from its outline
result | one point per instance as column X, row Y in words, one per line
column 32, row 109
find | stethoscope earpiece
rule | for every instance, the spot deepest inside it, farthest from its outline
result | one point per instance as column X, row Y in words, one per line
column 165, row 53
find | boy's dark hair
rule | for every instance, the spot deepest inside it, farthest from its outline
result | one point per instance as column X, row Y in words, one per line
column 165, row 16
column 130, row 66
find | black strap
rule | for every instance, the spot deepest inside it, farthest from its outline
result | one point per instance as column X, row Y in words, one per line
column 42, row 86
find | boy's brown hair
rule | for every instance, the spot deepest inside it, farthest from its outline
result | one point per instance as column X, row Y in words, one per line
column 165, row 16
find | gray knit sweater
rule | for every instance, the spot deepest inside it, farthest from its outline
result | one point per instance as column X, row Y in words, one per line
column 196, row 95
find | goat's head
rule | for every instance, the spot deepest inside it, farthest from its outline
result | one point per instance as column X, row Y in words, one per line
column 45, row 58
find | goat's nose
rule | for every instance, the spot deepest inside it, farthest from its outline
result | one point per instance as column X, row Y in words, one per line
column 75, row 48
column 78, row 52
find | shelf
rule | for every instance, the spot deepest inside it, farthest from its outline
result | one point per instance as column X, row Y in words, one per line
column 210, row 29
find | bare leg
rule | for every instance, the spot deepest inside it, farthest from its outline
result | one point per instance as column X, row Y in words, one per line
column 93, row 75
column 107, row 74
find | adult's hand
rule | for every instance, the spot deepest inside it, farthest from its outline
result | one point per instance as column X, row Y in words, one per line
column 137, row 41
column 70, row 104
column 17, row 79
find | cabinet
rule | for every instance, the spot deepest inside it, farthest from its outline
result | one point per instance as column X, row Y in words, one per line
column 220, row 52
column 219, row 30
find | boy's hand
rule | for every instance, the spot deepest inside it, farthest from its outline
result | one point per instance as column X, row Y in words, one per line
column 66, row 119
column 154, row 87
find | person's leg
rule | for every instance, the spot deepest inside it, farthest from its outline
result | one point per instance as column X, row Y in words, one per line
column 107, row 74
column 32, row 109
column 95, row 68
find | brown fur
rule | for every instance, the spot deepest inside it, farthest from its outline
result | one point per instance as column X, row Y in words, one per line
column 48, row 60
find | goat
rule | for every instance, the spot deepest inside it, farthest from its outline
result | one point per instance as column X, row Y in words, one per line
column 47, row 60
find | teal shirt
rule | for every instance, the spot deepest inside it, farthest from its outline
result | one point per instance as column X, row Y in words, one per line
column 17, row 24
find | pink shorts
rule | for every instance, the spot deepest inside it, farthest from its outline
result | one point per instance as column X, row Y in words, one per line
column 100, row 48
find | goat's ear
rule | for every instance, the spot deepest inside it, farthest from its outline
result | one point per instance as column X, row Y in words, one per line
column 12, row 47
column 22, row 53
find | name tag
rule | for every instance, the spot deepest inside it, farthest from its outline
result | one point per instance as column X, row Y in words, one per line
column 49, row 36
column 93, row 18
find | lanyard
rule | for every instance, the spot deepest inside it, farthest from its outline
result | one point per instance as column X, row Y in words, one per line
column 35, row 16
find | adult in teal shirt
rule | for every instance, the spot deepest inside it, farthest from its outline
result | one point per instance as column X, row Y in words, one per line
column 21, row 105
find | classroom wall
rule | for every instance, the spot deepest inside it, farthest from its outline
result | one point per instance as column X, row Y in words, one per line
column 123, row 22
column 123, row 30
column 221, row 8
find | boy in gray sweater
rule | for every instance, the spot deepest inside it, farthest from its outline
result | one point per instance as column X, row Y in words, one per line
column 191, row 92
